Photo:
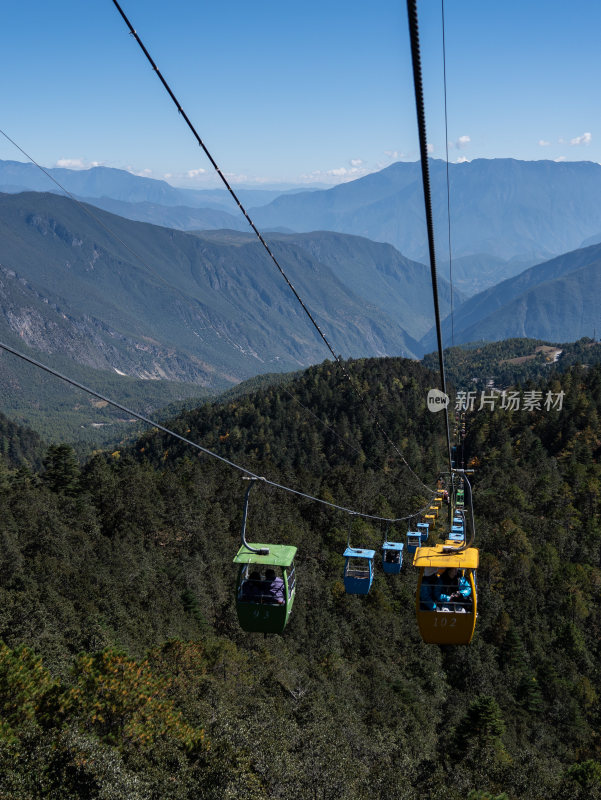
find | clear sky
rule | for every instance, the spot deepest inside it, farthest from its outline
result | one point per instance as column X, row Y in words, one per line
column 318, row 91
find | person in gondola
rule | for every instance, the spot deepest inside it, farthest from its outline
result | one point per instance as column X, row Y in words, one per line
column 426, row 592
column 452, row 591
column 251, row 588
column 274, row 588
column 392, row 556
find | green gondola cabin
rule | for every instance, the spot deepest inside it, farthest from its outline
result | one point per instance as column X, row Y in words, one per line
column 265, row 588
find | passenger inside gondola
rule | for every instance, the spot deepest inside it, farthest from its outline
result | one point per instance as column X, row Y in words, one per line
column 452, row 592
column 392, row 556
column 273, row 588
column 251, row 588
column 426, row 592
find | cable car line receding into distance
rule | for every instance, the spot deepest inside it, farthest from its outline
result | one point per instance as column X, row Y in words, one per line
column 224, row 180
column 447, row 572
column 467, row 556
column 423, row 148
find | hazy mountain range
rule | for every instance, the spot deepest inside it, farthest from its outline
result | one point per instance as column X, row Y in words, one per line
column 506, row 215
column 556, row 301
column 204, row 308
column 121, row 185
column 210, row 308
column 501, row 207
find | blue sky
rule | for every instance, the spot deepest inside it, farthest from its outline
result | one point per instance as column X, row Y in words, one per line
column 298, row 93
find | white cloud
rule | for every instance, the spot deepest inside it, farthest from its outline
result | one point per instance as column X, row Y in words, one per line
column 561, row 158
column 584, row 139
column 140, row 173
column 342, row 174
column 234, row 177
column 462, row 142
column 543, row 143
column 168, row 175
column 194, row 173
column 461, row 160
column 78, row 163
column 394, row 155
column 71, row 163
column 430, row 148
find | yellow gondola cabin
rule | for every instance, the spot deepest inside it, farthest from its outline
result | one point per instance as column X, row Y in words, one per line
column 446, row 607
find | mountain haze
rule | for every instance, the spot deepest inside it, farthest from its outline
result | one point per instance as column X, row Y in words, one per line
column 501, row 209
column 194, row 309
column 118, row 184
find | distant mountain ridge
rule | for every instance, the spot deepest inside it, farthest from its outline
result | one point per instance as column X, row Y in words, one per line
column 123, row 186
column 500, row 208
column 198, row 310
column 505, row 214
column 557, row 300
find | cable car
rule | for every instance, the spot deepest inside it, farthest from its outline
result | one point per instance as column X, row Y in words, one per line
column 414, row 539
column 423, row 529
column 443, row 620
column 456, row 534
column 392, row 557
column 266, row 587
column 266, row 583
column 358, row 570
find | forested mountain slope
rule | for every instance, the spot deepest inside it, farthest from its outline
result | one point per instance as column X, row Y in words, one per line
column 155, row 303
column 480, row 365
column 128, row 558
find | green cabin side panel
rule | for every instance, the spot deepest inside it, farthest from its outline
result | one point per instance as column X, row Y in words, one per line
column 264, row 617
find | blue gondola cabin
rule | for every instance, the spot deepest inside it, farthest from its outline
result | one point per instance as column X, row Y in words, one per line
column 392, row 557
column 358, row 570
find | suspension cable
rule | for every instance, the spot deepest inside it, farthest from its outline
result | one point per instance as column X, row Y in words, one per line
column 337, row 358
column 423, row 146
column 197, row 446
column 446, row 140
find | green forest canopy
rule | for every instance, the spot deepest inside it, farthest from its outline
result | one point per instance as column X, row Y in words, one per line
column 123, row 672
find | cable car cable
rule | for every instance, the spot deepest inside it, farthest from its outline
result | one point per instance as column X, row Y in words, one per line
column 423, row 146
column 197, row 446
column 446, row 139
column 337, row 358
